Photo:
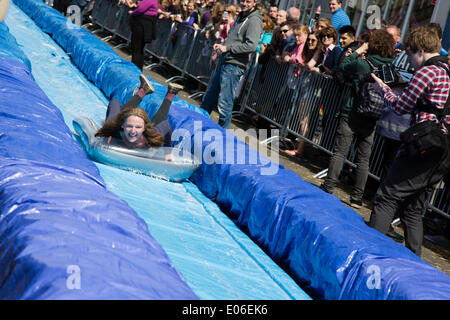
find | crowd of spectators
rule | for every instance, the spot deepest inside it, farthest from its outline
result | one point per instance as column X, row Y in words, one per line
column 327, row 45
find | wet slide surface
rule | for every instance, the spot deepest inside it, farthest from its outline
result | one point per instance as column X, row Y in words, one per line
column 217, row 260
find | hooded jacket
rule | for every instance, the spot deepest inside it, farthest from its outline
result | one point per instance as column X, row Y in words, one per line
column 355, row 67
column 243, row 38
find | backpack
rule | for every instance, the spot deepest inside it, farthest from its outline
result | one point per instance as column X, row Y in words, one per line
column 369, row 101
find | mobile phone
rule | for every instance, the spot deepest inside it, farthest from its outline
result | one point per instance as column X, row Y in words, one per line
column 225, row 15
column 388, row 74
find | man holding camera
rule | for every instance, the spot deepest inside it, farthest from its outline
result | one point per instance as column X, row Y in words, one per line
column 423, row 158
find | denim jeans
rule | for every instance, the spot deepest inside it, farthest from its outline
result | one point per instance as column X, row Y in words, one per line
column 221, row 91
column 344, row 137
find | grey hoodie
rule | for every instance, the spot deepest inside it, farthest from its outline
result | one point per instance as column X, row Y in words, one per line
column 243, row 38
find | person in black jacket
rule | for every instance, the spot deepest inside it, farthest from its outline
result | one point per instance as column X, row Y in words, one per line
column 347, row 41
column 326, row 61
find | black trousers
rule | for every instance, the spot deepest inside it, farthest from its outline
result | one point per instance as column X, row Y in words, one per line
column 142, row 32
column 405, row 190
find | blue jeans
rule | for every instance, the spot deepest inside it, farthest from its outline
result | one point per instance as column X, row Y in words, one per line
column 221, row 91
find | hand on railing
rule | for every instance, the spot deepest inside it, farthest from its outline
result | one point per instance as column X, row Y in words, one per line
column 278, row 59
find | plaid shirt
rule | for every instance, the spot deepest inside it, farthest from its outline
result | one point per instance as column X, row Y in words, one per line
column 429, row 84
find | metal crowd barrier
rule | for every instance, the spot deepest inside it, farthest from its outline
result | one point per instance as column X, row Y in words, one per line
column 304, row 105
column 307, row 106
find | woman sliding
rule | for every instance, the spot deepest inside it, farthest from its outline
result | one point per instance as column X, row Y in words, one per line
column 131, row 124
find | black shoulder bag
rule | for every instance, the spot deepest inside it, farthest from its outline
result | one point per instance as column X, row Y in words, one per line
column 426, row 137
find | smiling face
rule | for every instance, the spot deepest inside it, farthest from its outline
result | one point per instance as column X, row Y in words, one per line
column 133, row 129
column 286, row 31
column 345, row 39
column 327, row 40
column 312, row 41
column 191, row 6
column 248, row 5
column 334, row 5
column 281, row 17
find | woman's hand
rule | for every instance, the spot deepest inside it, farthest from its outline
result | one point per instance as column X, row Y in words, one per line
column 381, row 85
column 348, row 52
column 362, row 50
column 287, row 59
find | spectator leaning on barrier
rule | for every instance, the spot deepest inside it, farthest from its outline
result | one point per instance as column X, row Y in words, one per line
column 339, row 17
column 142, row 24
column 416, row 171
column 277, row 39
column 312, row 46
column 380, row 50
column 321, row 24
column 289, row 43
column 241, row 42
column 347, row 41
column 296, row 55
column 327, row 60
column 266, row 38
column 189, row 14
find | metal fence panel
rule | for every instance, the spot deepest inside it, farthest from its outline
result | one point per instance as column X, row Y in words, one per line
column 100, row 12
column 199, row 65
column 180, row 45
column 158, row 46
column 122, row 27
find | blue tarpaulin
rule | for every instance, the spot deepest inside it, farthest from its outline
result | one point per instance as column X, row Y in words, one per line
column 63, row 235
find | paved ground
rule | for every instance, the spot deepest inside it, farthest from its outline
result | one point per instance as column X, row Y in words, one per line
column 306, row 167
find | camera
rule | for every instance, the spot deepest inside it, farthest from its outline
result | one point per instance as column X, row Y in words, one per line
column 386, row 73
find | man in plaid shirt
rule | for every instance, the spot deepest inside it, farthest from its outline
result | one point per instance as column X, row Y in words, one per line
column 411, row 179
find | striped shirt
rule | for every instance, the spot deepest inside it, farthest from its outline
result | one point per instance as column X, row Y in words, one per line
column 429, row 84
column 340, row 19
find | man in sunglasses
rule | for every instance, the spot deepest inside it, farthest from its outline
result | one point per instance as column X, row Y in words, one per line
column 289, row 42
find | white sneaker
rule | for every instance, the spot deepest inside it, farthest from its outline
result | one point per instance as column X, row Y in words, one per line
column 146, row 85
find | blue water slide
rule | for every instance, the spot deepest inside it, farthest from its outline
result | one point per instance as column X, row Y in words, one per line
column 63, row 234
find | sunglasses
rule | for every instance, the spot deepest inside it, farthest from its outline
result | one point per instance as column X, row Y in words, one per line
column 285, row 30
column 326, row 36
column 311, row 40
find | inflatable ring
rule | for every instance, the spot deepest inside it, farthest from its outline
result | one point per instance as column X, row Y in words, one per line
column 167, row 163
